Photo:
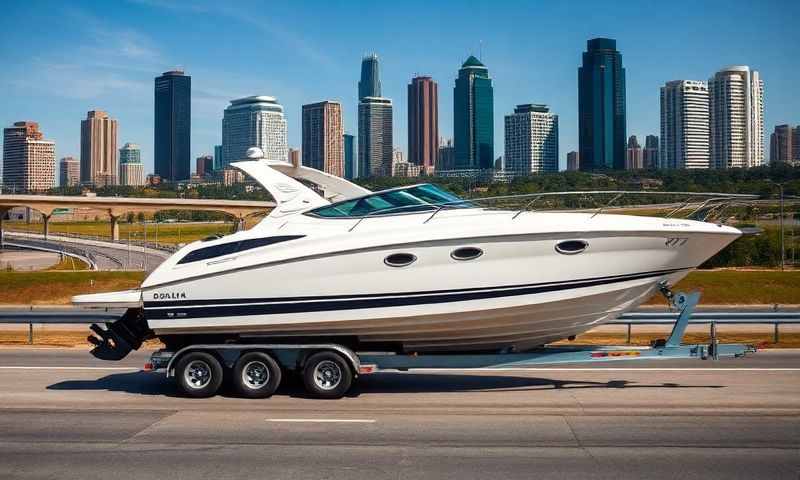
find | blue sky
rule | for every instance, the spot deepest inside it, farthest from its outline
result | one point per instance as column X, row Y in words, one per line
column 61, row 59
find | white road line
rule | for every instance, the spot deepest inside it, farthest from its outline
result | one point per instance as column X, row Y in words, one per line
column 2, row 367
column 321, row 420
column 612, row 369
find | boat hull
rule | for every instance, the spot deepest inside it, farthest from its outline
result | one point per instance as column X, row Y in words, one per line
column 489, row 303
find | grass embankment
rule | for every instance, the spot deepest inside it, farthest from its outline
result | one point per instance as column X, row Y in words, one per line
column 32, row 288
column 69, row 264
column 741, row 287
column 173, row 233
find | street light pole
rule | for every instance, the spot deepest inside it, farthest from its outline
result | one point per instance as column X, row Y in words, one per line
column 783, row 249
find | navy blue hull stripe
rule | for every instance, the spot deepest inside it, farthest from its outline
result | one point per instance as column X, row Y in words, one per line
column 332, row 304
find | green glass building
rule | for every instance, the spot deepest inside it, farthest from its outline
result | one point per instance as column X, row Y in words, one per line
column 601, row 107
column 473, row 117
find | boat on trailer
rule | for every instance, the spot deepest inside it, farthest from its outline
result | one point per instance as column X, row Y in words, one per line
column 412, row 269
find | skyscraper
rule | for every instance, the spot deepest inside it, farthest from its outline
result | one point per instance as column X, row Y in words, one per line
column 601, row 106
column 473, row 117
column 781, row 144
column 736, row 106
column 204, row 166
column 99, row 164
column 796, row 145
column 349, row 157
column 29, row 161
column 573, row 161
column 370, row 83
column 218, row 160
column 374, row 137
column 684, row 125
column 172, row 133
column 633, row 157
column 131, row 169
column 254, row 122
column 323, row 144
column 294, row 157
column 650, row 152
column 69, row 170
column 423, row 123
column 531, row 140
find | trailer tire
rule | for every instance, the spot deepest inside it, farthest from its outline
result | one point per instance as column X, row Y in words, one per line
column 256, row 375
column 327, row 375
column 199, row 374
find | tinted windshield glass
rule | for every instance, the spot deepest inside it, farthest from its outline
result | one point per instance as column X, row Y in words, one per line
column 411, row 199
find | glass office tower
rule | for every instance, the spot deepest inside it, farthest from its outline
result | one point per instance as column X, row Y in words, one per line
column 473, row 114
column 601, row 107
column 173, row 113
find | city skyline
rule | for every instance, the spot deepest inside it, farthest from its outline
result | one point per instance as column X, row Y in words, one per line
column 114, row 65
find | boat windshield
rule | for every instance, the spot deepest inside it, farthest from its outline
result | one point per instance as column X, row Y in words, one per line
column 417, row 198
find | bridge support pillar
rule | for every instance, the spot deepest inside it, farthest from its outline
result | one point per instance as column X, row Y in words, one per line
column 114, row 227
column 46, row 223
column 2, row 238
column 240, row 224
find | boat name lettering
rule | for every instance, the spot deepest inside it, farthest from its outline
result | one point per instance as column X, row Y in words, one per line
column 169, row 296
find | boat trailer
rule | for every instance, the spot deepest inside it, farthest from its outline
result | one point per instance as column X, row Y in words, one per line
column 315, row 360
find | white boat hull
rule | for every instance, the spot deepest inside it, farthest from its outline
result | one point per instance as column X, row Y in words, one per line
column 440, row 304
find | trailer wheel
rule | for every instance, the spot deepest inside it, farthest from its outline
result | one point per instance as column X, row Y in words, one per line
column 199, row 374
column 256, row 375
column 327, row 375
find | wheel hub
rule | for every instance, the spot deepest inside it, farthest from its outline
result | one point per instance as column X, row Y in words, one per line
column 198, row 374
column 327, row 375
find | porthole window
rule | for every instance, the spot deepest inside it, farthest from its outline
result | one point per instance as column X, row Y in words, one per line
column 466, row 253
column 400, row 259
column 571, row 247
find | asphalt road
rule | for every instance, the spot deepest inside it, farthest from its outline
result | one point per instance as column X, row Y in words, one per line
column 64, row 414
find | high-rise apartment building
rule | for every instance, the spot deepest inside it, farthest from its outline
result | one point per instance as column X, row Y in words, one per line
column 601, row 106
column 634, row 158
column 349, row 156
column 218, row 160
column 99, row 162
column 323, row 144
column 781, row 144
column 370, row 83
column 650, row 152
column 473, row 117
column 204, row 166
column 573, row 161
column 531, row 140
column 29, row 161
column 254, row 122
column 423, row 123
column 736, row 107
column 684, row 125
column 131, row 168
column 375, row 137
column 69, row 170
column 172, row 130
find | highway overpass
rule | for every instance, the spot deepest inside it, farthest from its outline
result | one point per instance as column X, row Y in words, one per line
column 115, row 207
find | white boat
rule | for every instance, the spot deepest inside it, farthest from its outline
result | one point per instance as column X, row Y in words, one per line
column 410, row 269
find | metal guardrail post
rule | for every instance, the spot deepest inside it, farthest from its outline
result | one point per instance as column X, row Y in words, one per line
column 714, row 341
column 30, row 333
column 776, row 336
column 628, row 337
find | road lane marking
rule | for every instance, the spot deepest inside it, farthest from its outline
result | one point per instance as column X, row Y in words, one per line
column 321, row 420
column 612, row 369
column 22, row 367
